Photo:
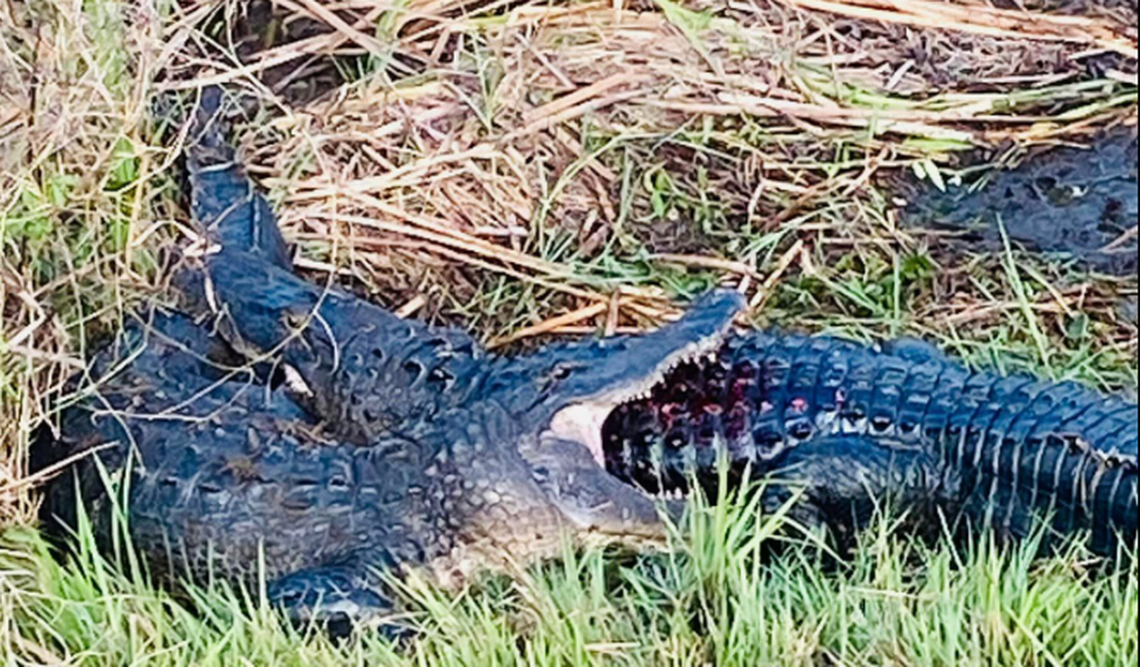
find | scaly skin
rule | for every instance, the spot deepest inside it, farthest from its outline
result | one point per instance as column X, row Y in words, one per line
column 369, row 370
column 223, row 458
column 222, row 467
column 394, row 446
column 224, row 472
column 1003, row 450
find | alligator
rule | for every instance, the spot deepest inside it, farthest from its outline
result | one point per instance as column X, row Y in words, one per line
column 224, row 472
column 973, row 446
column 1080, row 204
column 261, row 427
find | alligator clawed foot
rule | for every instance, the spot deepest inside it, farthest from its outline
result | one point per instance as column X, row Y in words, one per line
column 337, row 600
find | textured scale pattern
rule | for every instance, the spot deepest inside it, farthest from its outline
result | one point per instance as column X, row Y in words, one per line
column 1003, row 449
column 227, row 475
column 369, row 372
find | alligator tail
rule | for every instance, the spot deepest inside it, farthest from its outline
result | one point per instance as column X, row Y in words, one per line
column 1004, row 451
column 224, row 201
column 1057, row 452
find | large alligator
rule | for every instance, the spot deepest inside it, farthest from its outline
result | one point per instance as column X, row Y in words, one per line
column 267, row 426
column 1002, row 451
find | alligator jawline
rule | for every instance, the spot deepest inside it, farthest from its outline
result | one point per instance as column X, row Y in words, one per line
column 584, row 422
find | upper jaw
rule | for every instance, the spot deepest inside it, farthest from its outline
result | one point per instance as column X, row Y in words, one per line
column 571, row 446
column 609, row 374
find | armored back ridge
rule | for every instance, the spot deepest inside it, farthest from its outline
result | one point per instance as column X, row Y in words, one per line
column 1000, row 450
column 378, row 445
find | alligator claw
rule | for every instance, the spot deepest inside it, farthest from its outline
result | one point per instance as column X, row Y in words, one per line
column 224, row 201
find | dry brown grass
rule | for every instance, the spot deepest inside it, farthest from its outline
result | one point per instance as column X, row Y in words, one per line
column 526, row 168
column 74, row 82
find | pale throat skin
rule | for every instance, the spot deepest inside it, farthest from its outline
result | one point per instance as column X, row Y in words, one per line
column 584, row 421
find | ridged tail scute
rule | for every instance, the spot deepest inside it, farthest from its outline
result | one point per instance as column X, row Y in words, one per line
column 224, row 201
column 1010, row 451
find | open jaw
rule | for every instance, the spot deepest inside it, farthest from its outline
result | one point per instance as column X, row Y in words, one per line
column 651, row 432
column 586, row 421
column 655, row 435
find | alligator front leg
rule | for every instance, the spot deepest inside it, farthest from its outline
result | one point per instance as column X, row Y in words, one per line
column 841, row 483
column 337, row 598
column 364, row 370
column 224, row 201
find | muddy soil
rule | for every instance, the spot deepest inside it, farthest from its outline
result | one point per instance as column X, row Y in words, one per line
column 1067, row 203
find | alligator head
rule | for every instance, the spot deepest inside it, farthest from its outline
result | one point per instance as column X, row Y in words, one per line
column 368, row 374
column 562, row 395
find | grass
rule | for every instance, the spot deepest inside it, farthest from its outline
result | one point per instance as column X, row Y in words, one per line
column 516, row 169
column 715, row 599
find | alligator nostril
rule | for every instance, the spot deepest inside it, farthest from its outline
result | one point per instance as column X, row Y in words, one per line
column 378, row 354
column 413, row 368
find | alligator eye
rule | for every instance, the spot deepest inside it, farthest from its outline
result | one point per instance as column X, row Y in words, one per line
column 378, row 354
column 561, row 372
column 800, row 430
